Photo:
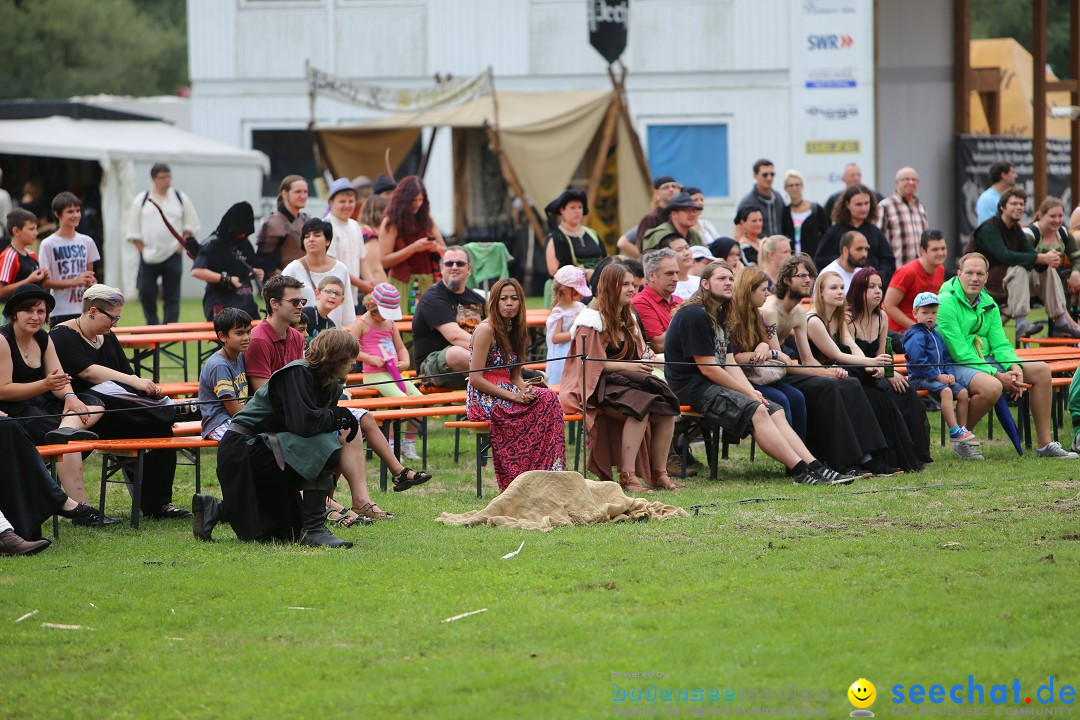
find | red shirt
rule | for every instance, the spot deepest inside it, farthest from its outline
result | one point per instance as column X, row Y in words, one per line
column 911, row 279
column 654, row 311
column 269, row 351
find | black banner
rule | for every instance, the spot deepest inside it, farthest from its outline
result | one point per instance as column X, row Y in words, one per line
column 976, row 153
column 609, row 21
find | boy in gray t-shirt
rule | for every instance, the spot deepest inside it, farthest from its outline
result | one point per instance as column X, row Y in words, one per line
column 223, row 386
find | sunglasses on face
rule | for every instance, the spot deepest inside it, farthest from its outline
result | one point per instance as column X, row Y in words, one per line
column 768, row 174
column 455, row 263
column 296, row 302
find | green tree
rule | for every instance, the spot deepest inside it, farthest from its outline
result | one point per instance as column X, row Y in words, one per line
column 1012, row 18
column 59, row 48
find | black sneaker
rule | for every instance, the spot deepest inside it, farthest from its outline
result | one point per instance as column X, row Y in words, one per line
column 168, row 511
column 810, row 477
column 836, row 478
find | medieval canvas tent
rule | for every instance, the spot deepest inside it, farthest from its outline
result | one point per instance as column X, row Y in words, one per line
column 538, row 142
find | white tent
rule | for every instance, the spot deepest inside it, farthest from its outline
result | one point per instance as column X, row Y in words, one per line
column 214, row 175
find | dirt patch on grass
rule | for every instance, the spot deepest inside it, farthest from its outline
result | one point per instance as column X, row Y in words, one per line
column 1069, row 484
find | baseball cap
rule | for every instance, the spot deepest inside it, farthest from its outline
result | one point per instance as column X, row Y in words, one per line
column 700, row 252
column 925, row 298
column 573, row 277
column 388, row 299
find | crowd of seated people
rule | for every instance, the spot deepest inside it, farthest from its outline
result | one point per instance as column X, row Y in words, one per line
column 716, row 323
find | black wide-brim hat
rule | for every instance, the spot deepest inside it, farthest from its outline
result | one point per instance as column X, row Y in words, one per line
column 682, row 201
column 29, row 291
column 555, row 206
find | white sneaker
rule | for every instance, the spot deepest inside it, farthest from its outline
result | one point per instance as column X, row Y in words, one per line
column 1054, row 450
column 408, row 450
column 967, row 452
column 1076, row 443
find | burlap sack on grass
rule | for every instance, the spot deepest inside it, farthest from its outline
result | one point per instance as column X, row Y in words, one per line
column 541, row 500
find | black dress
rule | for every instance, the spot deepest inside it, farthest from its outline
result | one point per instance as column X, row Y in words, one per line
column 904, row 449
column 28, row 494
column 159, row 466
column 39, row 414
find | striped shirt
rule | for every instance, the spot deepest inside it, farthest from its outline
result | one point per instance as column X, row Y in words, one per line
column 15, row 266
column 903, row 224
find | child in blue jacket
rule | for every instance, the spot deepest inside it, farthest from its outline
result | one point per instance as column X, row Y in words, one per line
column 930, row 367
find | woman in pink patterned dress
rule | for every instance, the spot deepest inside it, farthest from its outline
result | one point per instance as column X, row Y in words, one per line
column 526, row 421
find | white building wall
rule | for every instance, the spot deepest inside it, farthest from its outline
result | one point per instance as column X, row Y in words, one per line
column 692, row 61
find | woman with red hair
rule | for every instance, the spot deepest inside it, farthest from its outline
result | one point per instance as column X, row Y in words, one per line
column 409, row 241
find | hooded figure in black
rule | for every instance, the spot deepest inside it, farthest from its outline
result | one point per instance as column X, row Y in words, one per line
column 226, row 264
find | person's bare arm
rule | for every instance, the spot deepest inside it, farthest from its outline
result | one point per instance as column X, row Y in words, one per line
column 550, row 259
column 893, row 296
column 455, row 334
column 725, row 377
column 627, row 248
column 255, row 382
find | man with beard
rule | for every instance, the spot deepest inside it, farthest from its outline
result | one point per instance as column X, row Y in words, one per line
column 841, row 428
column 853, row 251
column 443, row 323
column 697, row 369
column 225, row 262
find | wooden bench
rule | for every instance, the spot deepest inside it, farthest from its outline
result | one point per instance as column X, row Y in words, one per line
column 120, row 455
column 482, row 430
column 52, row 454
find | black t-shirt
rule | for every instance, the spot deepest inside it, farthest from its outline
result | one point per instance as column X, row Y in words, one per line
column 584, row 252
column 690, row 333
column 76, row 355
column 439, row 306
column 316, row 323
column 222, row 255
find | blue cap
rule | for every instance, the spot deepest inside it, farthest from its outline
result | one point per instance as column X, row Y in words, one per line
column 340, row 185
column 925, row 298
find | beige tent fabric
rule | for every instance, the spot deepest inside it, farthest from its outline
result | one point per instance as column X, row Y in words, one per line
column 541, row 500
column 544, row 135
column 1016, row 89
column 352, row 152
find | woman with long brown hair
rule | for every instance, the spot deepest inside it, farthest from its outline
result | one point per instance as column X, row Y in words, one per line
column 629, row 412
column 526, row 421
column 409, row 241
column 869, row 326
column 754, row 343
column 370, row 219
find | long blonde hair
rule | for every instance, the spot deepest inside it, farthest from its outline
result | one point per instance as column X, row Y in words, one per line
column 827, row 314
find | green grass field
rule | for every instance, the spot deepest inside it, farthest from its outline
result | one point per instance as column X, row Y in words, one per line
column 974, row 574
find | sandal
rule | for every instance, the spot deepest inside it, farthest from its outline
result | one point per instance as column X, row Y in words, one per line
column 368, row 510
column 347, row 522
column 629, row 483
column 403, row 482
column 334, row 517
column 661, row 481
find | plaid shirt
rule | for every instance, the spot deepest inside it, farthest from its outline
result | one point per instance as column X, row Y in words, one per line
column 903, row 224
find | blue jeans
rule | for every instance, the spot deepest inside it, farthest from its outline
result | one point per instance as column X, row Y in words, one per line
column 791, row 400
column 169, row 273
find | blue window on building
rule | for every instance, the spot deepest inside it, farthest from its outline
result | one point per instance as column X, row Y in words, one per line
column 693, row 154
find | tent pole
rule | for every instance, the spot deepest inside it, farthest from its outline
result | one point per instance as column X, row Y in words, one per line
column 602, row 152
column 624, row 111
column 427, row 153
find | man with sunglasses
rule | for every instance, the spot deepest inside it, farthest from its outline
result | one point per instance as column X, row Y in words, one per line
column 764, row 199
column 443, row 323
column 274, row 343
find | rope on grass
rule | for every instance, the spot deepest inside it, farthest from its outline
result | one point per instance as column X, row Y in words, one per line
column 745, row 501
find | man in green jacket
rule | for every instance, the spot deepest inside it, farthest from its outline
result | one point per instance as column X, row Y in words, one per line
column 682, row 214
column 986, row 364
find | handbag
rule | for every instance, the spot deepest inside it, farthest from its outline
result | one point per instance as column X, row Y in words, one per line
column 766, row 373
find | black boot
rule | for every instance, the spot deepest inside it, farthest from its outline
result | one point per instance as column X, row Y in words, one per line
column 206, row 511
column 315, row 532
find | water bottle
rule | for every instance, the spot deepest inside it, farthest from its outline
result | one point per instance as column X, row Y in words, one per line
column 889, row 369
column 414, row 295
